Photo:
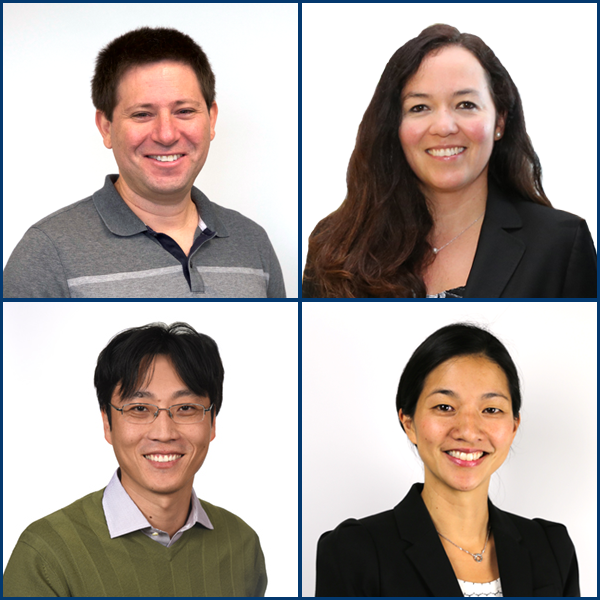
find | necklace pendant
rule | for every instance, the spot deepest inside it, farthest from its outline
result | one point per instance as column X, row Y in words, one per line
column 477, row 557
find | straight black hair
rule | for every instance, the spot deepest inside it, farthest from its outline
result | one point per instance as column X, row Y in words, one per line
column 129, row 356
column 459, row 339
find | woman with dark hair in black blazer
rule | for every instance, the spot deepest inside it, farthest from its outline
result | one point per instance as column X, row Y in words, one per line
column 445, row 196
column 458, row 402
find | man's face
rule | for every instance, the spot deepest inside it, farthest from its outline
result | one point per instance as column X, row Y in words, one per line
column 138, row 446
column 160, row 132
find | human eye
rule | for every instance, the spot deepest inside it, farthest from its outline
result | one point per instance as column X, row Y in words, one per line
column 187, row 111
column 140, row 115
column 187, row 409
column 466, row 104
column 136, row 408
column 443, row 408
column 417, row 109
column 492, row 410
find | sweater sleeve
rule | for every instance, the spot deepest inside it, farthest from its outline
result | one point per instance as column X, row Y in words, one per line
column 34, row 269
column 29, row 574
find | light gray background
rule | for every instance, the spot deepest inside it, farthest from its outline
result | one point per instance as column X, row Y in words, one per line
column 548, row 49
column 356, row 461
column 54, row 155
column 54, row 446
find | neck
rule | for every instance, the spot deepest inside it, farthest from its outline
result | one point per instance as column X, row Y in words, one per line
column 460, row 516
column 177, row 217
column 167, row 512
column 451, row 210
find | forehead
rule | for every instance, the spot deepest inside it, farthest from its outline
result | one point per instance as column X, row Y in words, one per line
column 158, row 81
column 452, row 68
column 468, row 373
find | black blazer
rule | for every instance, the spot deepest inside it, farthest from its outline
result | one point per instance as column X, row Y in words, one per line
column 399, row 553
column 526, row 250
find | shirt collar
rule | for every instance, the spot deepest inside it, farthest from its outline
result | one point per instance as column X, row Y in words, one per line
column 123, row 516
column 122, row 221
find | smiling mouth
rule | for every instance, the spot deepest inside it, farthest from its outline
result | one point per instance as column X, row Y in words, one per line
column 467, row 457
column 165, row 157
column 446, row 151
column 162, row 457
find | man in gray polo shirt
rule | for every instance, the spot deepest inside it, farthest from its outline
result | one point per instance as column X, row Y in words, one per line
column 148, row 232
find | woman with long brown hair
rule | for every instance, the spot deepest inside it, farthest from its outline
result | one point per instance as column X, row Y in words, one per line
column 445, row 197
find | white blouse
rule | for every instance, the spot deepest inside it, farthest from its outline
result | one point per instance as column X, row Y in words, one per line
column 492, row 589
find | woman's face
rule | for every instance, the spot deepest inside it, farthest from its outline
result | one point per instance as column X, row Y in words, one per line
column 463, row 425
column 448, row 121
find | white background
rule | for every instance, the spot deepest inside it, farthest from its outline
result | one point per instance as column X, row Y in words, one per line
column 356, row 460
column 54, row 155
column 549, row 51
column 54, row 447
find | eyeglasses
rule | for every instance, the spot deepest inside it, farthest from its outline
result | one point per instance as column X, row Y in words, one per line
column 180, row 413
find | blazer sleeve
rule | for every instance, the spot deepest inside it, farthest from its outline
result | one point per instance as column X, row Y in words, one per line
column 347, row 562
column 566, row 557
column 580, row 281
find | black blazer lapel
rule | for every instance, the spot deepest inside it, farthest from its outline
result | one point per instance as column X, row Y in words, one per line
column 498, row 252
column 426, row 553
column 514, row 561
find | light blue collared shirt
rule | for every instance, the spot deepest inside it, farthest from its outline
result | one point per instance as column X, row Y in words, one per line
column 123, row 516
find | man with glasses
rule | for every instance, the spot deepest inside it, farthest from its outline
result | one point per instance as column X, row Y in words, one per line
column 146, row 534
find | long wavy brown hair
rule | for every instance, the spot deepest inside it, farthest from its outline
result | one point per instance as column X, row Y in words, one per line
column 375, row 244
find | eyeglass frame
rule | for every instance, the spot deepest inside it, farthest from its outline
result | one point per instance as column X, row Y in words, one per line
column 168, row 409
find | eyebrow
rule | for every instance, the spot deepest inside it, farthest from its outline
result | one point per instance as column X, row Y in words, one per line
column 466, row 92
column 150, row 105
column 452, row 394
column 185, row 393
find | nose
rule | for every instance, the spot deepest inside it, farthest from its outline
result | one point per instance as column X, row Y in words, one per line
column 467, row 426
column 166, row 132
column 163, row 428
column 444, row 123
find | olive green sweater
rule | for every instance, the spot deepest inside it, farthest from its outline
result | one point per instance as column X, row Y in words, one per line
column 70, row 553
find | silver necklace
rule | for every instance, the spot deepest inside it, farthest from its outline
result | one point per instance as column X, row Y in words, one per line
column 476, row 557
column 436, row 250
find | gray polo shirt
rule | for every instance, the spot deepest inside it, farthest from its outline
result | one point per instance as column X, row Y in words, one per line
column 98, row 248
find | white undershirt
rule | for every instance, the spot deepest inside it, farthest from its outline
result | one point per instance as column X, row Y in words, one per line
column 492, row 589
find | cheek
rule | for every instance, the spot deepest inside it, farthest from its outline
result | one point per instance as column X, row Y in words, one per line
column 410, row 134
column 480, row 132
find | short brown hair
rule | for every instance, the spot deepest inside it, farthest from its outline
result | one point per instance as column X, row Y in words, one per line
column 144, row 46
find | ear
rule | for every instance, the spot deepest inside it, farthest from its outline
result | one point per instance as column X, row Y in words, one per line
column 107, row 431
column 214, row 111
column 409, row 426
column 104, row 127
column 517, row 423
column 500, row 125
column 213, row 428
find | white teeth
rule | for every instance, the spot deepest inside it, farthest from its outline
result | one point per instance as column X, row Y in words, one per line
column 163, row 457
column 446, row 151
column 467, row 457
column 167, row 157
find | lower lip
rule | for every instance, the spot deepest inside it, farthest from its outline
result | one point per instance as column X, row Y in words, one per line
column 446, row 158
column 167, row 163
column 163, row 465
column 466, row 463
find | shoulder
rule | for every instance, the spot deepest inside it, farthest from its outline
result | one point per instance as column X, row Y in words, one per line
column 224, row 520
column 233, row 220
column 86, row 512
column 536, row 533
column 77, row 213
column 545, row 214
column 355, row 536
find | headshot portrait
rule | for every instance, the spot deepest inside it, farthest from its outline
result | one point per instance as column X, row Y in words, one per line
column 437, row 465
column 436, row 174
column 177, row 129
column 149, row 468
